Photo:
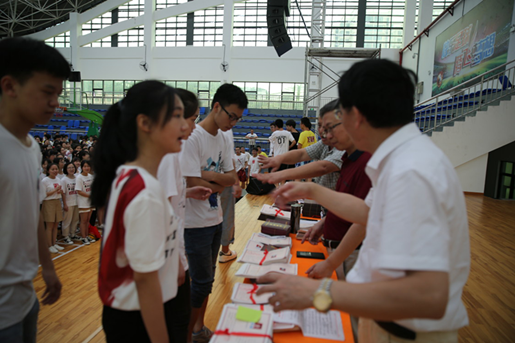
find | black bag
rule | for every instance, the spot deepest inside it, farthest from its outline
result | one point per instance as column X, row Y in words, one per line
column 256, row 187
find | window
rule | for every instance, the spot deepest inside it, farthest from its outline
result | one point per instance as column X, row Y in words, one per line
column 171, row 31
column 135, row 36
column 250, row 25
column 160, row 4
column 295, row 26
column 277, row 95
column 59, row 41
column 507, row 181
column 131, row 38
column 208, row 26
column 384, row 24
column 96, row 24
column 341, row 23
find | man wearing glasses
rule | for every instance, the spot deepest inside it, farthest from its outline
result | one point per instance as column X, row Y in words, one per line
column 206, row 160
column 325, row 169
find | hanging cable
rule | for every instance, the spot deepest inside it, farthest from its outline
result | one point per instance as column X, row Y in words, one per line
column 302, row 17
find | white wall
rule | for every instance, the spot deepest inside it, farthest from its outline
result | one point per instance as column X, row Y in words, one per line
column 468, row 142
column 472, row 174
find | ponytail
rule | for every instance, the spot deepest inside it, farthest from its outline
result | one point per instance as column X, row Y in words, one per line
column 118, row 141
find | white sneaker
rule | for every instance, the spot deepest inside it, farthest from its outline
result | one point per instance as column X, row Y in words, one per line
column 226, row 257
column 58, row 247
column 67, row 241
column 91, row 240
column 84, row 241
column 53, row 250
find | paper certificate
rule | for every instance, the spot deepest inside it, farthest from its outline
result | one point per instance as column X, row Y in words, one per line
column 253, row 271
column 245, row 293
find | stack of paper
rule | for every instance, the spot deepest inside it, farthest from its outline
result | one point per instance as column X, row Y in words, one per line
column 313, row 323
column 279, row 241
column 236, row 327
column 245, row 293
column 265, row 257
column 253, row 271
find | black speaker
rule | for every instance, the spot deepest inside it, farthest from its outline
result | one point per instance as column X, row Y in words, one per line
column 276, row 14
column 74, row 76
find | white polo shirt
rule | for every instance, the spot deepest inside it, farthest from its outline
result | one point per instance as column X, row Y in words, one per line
column 417, row 222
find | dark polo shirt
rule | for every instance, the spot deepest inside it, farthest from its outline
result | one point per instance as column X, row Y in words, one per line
column 352, row 180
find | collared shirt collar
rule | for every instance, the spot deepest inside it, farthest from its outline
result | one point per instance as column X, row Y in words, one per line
column 399, row 137
column 353, row 157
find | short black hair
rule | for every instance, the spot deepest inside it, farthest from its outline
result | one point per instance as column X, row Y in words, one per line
column 258, row 146
column 279, row 123
column 229, row 94
column 306, row 122
column 254, row 149
column 272, row 124
column 291, row 122
column 330, row 106
column 381, row 90
column 20, row 57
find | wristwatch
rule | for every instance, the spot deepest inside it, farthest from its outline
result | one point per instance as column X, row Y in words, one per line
column 322, row 300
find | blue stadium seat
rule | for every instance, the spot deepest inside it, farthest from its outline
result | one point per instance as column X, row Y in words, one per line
column 73, row 136
column 76, row 123
column 50, row 128
column 202, row 110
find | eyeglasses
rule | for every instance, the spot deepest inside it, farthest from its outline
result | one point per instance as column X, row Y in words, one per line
column 327, row 130
column 232, row 117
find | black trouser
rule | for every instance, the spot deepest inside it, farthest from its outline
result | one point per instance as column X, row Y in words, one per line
column 128, row 326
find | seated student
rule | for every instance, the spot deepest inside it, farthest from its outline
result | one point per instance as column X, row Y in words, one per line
column 325, row 171
column 31, row 79
column 415, row 259
column 207, row 161
column 140, row 257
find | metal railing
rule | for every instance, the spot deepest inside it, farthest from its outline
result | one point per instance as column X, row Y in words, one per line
column 466, row 98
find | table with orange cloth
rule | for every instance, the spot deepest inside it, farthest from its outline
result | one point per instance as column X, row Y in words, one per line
column 303, row 266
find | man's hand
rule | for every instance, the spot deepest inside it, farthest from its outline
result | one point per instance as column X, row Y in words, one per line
column 272, row 178
column 236, row 191
column 292, row 191
column 291, row 292
column 53, row 286
column 314, row 233
column 198, row 192
column 65, row 208
column 270, row 162
column 320, row 270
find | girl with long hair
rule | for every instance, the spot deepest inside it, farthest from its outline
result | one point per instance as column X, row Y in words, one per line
column 140, row 260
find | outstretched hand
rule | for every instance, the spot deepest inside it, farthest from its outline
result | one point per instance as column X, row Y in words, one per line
column 269, row 162
column 290, row 292
column 268, row 178
column 320, row 270
column 292, row 191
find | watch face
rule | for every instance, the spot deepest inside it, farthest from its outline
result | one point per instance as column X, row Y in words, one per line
column 322, row 301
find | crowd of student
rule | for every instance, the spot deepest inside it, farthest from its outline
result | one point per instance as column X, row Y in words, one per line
column 66, row 178
column 168, row 188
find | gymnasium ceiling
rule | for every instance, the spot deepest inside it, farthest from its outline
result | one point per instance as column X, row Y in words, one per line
column 21, row 17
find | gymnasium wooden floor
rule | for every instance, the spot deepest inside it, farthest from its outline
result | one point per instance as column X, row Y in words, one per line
column 489, row 294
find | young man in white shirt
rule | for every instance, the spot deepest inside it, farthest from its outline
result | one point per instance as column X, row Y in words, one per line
column 414, row 262
column 281, row 141
column 206, row 161
column 31, row 80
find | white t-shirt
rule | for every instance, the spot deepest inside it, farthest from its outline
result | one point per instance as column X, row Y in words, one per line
column 254, row 165
column 239, row 161
column 203, row 151
column 69, row 190
column 417, row 222
column 174, row 185
column 60, row 176
column 252, row 138
column 247, row 157
column 83, row 183
column 49, row 185
column 20, row 167
column 140, row 236
column 280, row 141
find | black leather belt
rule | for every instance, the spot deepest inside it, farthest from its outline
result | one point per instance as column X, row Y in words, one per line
column 398, row 330
column 329, row 243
